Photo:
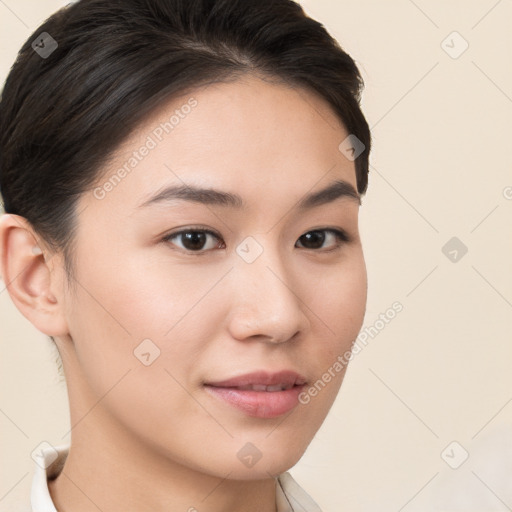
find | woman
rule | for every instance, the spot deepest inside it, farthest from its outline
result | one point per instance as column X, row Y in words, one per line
column 182, row 183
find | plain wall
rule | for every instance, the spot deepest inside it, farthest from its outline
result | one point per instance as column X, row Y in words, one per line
column 439, row 371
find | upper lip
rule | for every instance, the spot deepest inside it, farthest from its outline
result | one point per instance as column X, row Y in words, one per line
column 285, row 378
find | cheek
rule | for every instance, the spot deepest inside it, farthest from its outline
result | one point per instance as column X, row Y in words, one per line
column 155, row 296
column 136, row 307
column 338, row 308
column 340, row 304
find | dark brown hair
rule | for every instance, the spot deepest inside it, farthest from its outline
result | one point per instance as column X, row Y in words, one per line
column 62, row 115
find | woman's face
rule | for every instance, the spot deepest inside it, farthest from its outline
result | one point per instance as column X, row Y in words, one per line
column 187, row 304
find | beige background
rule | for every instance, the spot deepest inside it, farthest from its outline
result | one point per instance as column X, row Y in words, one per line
column 440, row 370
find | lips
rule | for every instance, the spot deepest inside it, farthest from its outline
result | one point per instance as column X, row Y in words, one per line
column 260, row 394
column 285, row 378
column 262, row 387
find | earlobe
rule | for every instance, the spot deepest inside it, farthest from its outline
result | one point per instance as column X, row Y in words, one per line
column 30, row 280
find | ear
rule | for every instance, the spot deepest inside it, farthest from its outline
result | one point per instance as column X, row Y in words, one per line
column 32, row 279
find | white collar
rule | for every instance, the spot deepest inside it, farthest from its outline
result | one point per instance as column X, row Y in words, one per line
column 290, row 497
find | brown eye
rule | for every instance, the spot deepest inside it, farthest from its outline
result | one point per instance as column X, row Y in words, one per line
column 313, row 239
column 316, row 239
column 194, row 240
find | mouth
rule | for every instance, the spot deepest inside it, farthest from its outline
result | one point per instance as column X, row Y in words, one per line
column 260, row 394
column 262, row 387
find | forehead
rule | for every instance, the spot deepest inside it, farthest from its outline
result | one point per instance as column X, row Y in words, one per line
column 252, row 136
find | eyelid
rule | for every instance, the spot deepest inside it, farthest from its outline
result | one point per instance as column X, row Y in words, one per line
column 342, row 233
column 188, row 229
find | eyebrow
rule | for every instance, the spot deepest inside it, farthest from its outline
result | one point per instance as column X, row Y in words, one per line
column 338, row 189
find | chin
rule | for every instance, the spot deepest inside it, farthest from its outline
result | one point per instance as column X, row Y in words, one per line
column 262, row 469
column 267, row 458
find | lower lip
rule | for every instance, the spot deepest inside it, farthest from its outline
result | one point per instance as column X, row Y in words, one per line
column 259, row 404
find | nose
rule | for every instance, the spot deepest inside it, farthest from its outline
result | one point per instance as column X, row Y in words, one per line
column 265, row 301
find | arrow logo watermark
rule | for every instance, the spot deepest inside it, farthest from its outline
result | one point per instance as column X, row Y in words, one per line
column 351, row 147
column 249, row 249
column 249, row 455
column 44, row 45
column 455, row 455
column 454, row 249
column 146, row 352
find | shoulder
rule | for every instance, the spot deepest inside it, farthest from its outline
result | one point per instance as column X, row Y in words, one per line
column 291, row 497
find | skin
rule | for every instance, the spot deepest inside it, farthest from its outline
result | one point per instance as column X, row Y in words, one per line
column 150, row 438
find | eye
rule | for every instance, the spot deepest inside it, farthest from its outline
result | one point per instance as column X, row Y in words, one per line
column 316, row 239
column 195, row 240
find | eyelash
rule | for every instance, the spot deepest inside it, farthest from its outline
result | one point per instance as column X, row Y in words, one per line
column 341, row 236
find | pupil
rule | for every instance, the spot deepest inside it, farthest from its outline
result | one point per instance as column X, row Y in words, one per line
column 197, row 240
column 317, row 237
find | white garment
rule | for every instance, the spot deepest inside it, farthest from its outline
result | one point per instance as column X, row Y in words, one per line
column 290, row 497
